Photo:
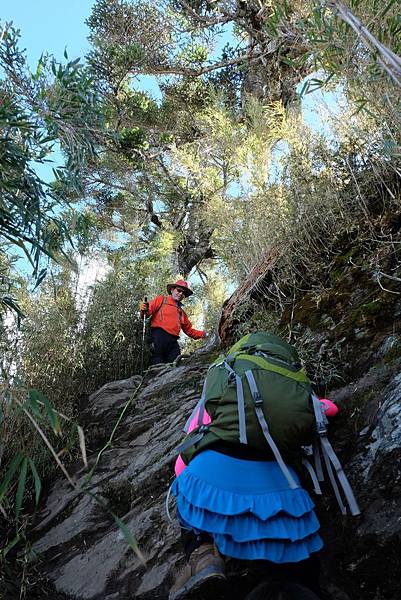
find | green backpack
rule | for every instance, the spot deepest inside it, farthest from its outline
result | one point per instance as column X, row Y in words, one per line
column 258, row 394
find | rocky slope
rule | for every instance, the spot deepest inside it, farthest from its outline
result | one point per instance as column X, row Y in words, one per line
column 87, row 557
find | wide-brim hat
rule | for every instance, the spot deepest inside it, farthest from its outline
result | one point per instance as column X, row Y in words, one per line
column 183, row 285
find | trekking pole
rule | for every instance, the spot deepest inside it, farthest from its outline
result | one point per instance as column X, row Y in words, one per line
column 143, row 336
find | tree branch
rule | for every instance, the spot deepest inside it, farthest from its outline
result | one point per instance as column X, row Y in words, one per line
column 198, row 72
column 225, row 18
column 388, row 60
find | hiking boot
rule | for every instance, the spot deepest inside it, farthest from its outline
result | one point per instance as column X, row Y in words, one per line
column 205, row 569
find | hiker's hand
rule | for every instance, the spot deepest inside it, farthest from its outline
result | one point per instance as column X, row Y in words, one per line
column 143, row 306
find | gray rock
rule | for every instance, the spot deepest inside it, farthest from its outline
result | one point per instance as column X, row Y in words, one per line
column 85, row 553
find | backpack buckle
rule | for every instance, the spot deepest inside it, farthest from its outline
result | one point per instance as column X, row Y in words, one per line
column 203, row 429
column 257, row 398
column 321, row 428
column 307, row 450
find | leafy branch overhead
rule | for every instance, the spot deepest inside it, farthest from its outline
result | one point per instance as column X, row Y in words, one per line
column 55, row 107
column 181, row 46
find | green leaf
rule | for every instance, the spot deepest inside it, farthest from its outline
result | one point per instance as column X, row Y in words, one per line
column 37, row 481
column 10, row 474
column 305, row 89
column 288, row 62
column 10, row 546
column 129, row 537
column 53, row 418
column 34, row 397
column 21, row 486
column 11, row 303
column 40, row 278
column 387, row 8
column 38, row 69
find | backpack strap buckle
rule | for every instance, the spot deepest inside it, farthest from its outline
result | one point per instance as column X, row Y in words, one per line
column 257, row 398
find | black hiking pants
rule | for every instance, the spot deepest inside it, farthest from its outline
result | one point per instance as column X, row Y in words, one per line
column 165, row 346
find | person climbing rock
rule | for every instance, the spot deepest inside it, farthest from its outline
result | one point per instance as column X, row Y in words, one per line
column 167, row 319
column 233, row 503
column 238, row 495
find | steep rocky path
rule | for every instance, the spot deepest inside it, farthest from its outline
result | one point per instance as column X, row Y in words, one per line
column 86, row 556
column 85, row 553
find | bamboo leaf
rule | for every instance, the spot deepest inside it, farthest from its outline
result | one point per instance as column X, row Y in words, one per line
column 10, row 546
column 129, row 537
column 288, row 62
column 82, row 444
column 52, row 416
column 387, row 8
column 33, row 401
column 305, row 89
column 40, row 278
column 3, row 512
column 10, row 474
column 21, row 486
column 37, row 481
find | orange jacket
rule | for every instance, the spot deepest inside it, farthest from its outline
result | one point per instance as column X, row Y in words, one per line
column 170, row 316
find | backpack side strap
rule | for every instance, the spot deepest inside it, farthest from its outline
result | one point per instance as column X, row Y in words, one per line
column 331, row 460
column 200, row 405
column 192, row 439
column 258, row 401
column 312, row 474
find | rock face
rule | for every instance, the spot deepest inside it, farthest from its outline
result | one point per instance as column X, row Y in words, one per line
column 85, row 553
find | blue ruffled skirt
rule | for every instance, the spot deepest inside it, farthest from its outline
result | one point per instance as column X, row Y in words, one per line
column 247, row 507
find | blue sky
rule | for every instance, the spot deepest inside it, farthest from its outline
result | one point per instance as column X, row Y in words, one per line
column 49, row 25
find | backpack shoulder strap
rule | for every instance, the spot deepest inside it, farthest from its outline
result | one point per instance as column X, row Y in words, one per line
column 163, row 302
column 240, row 402
column 312, row 473
column 258, row 402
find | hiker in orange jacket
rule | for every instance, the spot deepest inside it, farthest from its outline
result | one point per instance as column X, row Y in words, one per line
column 167, row 319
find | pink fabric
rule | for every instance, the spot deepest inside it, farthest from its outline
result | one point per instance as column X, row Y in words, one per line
column 329, row 408
column 179, row 463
